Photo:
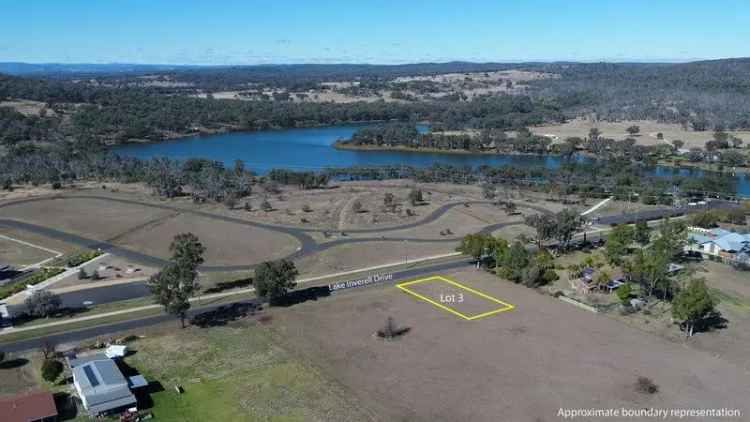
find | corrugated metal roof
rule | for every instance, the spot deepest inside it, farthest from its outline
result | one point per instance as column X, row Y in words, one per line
column 24, row 408
column 102, row 385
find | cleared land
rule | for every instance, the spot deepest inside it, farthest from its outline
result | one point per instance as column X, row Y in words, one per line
column 226, row 243
column 92, row 218
column 18, row 254
column 521, row 365
column 353, row 256
column 617, row 130
column 455, row 298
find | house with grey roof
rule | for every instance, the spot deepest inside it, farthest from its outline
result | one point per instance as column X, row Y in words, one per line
column 720, row 243
column 101, row 386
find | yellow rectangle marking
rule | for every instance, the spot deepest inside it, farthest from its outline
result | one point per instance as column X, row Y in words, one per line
column 505, row 306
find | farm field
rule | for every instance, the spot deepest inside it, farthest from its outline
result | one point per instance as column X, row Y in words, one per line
column 525, row 364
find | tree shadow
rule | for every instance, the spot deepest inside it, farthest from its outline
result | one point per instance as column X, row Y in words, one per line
column 714, row 321
column 228, row 285
column 300, row 296
column 13, row 363
column 67, row 409
column 224, row 314
column 25, row 317
column 143, row 395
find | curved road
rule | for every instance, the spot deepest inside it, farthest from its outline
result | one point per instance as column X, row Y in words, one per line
column 308, row 245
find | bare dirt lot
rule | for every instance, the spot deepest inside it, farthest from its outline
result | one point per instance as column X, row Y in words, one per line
column 617, row 130
column 522, row 365
column 226, row 243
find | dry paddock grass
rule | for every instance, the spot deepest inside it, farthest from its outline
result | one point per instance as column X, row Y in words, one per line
column 354, row 256
column 91, row 218
column 18, row 255
column 521, row 365
column 226, row 243
column 617, row 130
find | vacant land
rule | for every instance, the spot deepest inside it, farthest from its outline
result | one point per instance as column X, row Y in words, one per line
column 92, row 218
column 352, row 256
column 521, row 365
column 19, row 255
column 617, row 130
column 226, row 243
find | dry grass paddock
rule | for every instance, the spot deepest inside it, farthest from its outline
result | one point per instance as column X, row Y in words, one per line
column 617, row 130
column 521, row 365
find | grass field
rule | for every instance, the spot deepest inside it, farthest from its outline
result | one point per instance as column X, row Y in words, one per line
column 236, row 374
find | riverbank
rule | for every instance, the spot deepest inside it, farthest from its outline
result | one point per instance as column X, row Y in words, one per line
column 349, row 147
column 227, row 129
column 703, row 167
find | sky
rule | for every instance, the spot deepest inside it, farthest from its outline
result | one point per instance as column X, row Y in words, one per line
column 235, row 32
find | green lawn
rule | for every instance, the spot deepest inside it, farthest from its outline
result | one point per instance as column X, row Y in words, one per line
column 235, row 374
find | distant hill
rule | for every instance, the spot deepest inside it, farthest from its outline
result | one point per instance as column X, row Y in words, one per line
column 52, row 69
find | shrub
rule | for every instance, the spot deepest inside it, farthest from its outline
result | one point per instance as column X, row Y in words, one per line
column 646, row 385
column 266, row 206
column 391, row 331
column 307, row 208
column 81, row 257
column 623, row 293
column 51, row 369
column 549, row 276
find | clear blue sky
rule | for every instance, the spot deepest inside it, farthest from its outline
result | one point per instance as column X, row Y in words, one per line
column 365, row 31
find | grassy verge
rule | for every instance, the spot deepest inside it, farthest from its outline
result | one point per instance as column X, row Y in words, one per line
column 110, row 319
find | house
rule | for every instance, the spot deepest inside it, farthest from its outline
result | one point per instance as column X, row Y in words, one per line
column 719, row 243
column 585, row 283
column 101, row 386
column 34, row 407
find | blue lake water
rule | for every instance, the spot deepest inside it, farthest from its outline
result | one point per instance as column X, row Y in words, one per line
column 310, row 149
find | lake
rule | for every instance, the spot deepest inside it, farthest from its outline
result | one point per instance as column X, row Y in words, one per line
column 311, row 149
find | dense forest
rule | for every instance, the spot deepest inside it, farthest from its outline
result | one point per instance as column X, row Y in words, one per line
column 705, row 95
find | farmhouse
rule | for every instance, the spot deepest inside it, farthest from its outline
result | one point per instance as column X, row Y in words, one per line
column 720, row 243
column 101, row 386
column 34, row 407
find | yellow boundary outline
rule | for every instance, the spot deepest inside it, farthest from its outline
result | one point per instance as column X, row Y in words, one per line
column 505, row 308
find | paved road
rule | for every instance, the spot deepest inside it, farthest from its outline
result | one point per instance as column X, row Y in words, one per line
column 634, row 217
column 109, row 329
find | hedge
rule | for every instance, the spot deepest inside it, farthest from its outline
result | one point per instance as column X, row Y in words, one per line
column 77, row 259
column 32, row 279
